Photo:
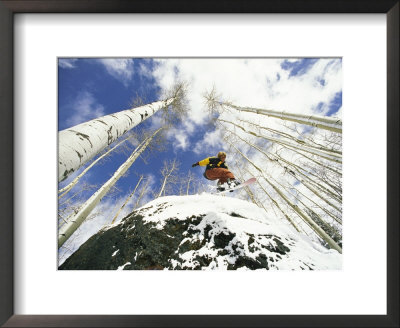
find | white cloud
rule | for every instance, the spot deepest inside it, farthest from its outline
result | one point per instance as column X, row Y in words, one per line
column 258, row 82
column 211, row 143
column 84, row 108
column 67, row 62
column 121, row 69
column 179, row 139
column 145, row 70
column 252, row 82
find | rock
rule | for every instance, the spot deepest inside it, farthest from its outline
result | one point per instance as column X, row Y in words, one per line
column 198, row 233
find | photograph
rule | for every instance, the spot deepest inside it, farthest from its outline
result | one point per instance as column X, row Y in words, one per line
column 200, row 163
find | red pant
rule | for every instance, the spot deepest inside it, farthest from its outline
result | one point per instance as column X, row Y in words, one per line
column 219, row 173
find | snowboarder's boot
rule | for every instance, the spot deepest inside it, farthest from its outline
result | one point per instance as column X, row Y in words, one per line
column 220, row 187
column 232, row 183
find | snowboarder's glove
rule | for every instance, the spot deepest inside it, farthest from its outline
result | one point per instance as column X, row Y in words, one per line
column 195, row 164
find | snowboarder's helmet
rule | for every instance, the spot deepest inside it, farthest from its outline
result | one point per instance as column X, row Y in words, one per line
column 221, row 154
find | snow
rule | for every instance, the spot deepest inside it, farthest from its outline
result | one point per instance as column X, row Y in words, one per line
column 120, row 268
column 183, row 206
column 229, row 215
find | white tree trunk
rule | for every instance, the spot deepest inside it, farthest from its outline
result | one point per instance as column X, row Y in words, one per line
column 323, row 122
column 127, row 200
column 334, row 157
column 316, row 193
column 300, row 143
column 68, row 229
column 274, row 202
column 333, row 170
column 307, row 185
column 296, row 177
column 66, row 189
column 318, row 186
column 278, row 207
column 296, row 197
column 315, row 227
column 333, row 191
column 190, row 178
column 142, row 192
column 80, row 143
column 168, row 172
column 338, row 220
column 162, row 186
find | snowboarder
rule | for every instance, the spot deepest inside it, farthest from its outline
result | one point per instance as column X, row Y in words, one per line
column 216, row 169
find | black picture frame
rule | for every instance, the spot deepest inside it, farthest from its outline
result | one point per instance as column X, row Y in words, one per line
column 11, row 7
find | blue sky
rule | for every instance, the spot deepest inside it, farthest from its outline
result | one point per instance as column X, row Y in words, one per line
column 298, row 67
column 93, row 87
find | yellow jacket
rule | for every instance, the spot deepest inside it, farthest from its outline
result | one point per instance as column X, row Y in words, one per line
column 212, row 162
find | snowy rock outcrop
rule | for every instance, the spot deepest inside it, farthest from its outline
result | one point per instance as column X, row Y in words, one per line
column 201, row 232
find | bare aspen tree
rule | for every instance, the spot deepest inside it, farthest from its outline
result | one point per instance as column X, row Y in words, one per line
column 299, row 144
column 285, row 135
column 321, row 122
column 70, row 206
column 329, row 140
column 322, row 223
column 142, row 192
column 200, row 187
column 278, row 207
column 306, row 159
column 66, row 202
column 67, row 188
column 169, row 175
column 180, row 189
column 216, row 107
column 213, row 102
column 301, row 170
column 337, row 158
column 328, row 176
column 318, row 194
column 127, row 200
column 253, row 199
column 240, row 176
column 295, row 171
column 313, row 188
column 304, row 216
column 68, row 229
column 189, row 178
column 80, row 143
column 300, row 177
column 307, row 184
column 323, row 208
column 249, row 193
column 281, row 210
column 273, row 201
column 178, row 92
column 324, row 166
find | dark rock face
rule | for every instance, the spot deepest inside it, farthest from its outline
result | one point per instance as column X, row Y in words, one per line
column 195, row 243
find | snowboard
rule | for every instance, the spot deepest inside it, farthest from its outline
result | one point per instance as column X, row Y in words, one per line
column 243, row 184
